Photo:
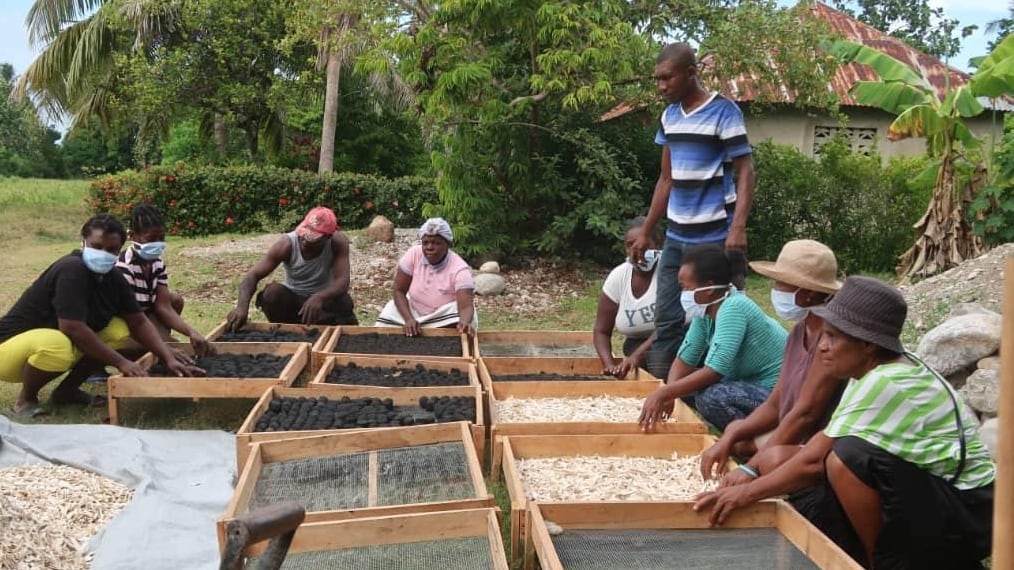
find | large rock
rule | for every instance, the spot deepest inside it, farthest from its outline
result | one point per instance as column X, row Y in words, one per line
column 490, row 267
column 489, row 284
column 989, row 432
column 989, row 363
column 960, row 342
column 982, row 391
column 962, row 309
column 381, row 229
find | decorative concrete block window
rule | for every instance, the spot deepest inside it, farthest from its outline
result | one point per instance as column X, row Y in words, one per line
column 862, row 138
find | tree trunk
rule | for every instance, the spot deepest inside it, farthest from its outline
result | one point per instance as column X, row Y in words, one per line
column 330, row 123
column 253, row 142
column 221, row 136
column 945, row 233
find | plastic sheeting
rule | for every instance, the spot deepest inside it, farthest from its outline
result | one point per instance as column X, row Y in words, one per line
column 182, row 482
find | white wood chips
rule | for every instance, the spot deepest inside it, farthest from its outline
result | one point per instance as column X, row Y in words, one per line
column 49, row 512
column 595, row 478
column 612, row 409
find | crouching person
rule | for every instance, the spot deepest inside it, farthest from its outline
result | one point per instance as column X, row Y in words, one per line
column 315, row 257
column 899, row 478
column 433, row 285
column 72, row 320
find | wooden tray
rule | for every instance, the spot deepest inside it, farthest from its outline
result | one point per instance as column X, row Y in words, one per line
column 207, row 387
column 330, row 348
column 400, row 529
column 660, row 446
column 547, row 341
column 676, row 515
column 246, row 435
column 490, row 368
column 684, row 419
column 328, row 364
column 372, row 441
column 325, row 331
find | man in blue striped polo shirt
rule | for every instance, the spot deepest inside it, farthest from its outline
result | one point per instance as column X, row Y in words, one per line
column 705, row 186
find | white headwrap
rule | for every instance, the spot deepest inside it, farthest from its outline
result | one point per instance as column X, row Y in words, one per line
column 437, row 227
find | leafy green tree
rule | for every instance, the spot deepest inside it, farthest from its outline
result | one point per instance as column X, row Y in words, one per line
column 91, row 149
column 1001, row 27
column 344, row 31
column 373, row 136
column 222, row 59
column 76, row 73
column 915, row 22
column 510, row 96
column 27, row 146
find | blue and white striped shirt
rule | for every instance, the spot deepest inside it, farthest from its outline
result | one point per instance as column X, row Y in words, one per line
column 702, row 145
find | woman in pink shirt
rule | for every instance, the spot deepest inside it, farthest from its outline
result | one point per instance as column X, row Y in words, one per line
column 433, row 285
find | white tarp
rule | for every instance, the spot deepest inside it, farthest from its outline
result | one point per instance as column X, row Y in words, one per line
column 182, row 481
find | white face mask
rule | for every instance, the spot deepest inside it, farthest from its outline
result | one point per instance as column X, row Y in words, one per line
column 651, row 257
column 785, row 305
column 695, row 310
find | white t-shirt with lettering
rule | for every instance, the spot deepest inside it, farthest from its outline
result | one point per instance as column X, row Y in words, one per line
column 636, row 315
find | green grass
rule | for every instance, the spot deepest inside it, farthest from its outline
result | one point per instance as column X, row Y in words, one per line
column 41, row 220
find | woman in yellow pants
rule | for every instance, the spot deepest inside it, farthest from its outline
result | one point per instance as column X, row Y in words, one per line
column 72, row 320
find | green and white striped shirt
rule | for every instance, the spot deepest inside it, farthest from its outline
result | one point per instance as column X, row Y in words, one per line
column 905, row 410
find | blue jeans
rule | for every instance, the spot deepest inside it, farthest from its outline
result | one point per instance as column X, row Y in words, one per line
column 727, row 400
column 669, row 316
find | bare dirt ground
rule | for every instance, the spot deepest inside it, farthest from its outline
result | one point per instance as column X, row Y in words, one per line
column 533, row 289
column 540, row 286
column 978, row 280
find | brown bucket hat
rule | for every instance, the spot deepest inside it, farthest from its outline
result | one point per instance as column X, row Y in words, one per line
column 804, row 263
column 867, row 309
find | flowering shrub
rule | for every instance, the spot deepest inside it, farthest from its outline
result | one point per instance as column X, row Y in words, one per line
column 206, row 200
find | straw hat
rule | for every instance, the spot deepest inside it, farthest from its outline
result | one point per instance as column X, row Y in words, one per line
column 867, row 309
column 804, row 263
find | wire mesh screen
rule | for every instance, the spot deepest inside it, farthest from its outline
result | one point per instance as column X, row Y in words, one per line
column 424, row 473
column 470, row 553
column 530, row 349
column 650, row 549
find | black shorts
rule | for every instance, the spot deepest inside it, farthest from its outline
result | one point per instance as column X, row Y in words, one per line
column 928, row 523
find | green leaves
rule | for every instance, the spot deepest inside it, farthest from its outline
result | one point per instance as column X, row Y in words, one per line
column 995, row 75
column 885, row 66
column 891, row 97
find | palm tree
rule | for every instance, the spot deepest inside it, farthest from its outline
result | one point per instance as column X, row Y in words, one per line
column 74, row 75
column 344, row 37
column 945, row 236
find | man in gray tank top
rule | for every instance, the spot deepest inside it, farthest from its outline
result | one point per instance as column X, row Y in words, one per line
column 315, row 257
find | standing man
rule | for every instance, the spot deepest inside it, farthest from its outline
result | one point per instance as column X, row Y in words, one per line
column 316, row 290
column 704, row 150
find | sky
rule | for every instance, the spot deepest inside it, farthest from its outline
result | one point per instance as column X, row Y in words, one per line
column 14, row 47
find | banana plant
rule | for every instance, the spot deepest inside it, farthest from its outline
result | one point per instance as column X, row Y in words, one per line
column 945, row 236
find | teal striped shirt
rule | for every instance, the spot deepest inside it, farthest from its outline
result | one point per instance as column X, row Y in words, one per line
column 742, row 342
column 902, row 408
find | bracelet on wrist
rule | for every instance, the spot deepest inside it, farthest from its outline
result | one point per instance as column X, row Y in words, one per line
column 749, row 470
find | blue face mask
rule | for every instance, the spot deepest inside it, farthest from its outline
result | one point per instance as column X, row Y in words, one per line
column 97, row 260
column 150, row 251
column 785, row 305
column 695, row 310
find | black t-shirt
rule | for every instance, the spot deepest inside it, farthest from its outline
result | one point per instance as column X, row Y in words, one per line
column 68, row 290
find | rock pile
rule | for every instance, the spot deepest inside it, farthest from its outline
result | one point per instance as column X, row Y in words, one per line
column 965, row 349
column 488, row 281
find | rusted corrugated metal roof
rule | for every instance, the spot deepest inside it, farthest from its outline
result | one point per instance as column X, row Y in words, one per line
column 936, row 73
column 749, row 88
